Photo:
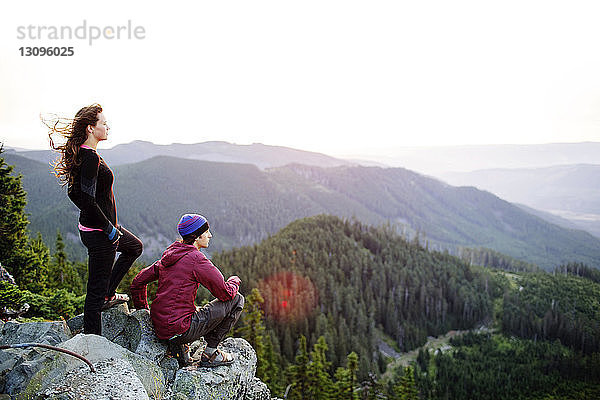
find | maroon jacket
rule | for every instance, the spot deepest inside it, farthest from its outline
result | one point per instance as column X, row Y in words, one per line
column 179, row 272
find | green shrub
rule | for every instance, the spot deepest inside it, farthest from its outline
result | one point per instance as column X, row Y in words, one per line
column 61, row 304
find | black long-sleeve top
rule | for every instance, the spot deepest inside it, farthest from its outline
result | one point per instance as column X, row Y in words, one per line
column 91, row 191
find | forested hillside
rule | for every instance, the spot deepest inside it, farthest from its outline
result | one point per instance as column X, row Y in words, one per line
column 348, row 281
column 558, row 306
column 448, row 215
column 48, row 207
column 359, row 287
column 499, row 367
column 569, row 191
column 245, row 205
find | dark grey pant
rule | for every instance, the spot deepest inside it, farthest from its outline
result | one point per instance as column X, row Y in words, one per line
column 212, row 321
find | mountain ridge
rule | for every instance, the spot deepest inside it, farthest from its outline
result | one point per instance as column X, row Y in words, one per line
column 438, row 160
column 429, row 160
column 568, row 191
column 261, row 155
column 246, row 204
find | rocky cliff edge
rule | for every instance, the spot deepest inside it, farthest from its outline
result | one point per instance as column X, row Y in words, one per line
column 130, row 362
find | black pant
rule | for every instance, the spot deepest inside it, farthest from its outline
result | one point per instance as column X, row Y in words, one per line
column 103, row 277
column 212, row 321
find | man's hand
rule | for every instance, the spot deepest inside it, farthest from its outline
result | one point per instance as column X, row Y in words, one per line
column 235, row 279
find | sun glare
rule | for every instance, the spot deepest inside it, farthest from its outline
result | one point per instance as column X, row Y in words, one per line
column 288, row 296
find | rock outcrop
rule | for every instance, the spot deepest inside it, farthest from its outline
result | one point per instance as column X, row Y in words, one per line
column 120, row 373
column 130, row 363
column 234, row 382
column 18, row 366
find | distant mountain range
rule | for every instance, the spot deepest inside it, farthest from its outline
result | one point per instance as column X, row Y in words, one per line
column 439, row 160
column 261, row 155
column 432, row 160
column 568, row 191
column 245, row 204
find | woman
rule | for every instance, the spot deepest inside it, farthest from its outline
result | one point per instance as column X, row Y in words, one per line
column 90, row 183
column 180, row 271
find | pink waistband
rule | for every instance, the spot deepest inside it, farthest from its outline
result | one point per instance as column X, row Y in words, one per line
column 86, row 229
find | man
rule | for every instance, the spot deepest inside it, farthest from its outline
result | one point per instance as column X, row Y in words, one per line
column 181, row 269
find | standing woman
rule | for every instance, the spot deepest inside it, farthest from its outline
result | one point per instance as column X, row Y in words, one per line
column 90, row 183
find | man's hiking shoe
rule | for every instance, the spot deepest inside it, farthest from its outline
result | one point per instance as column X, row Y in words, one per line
column 211, row 360
column 117, row 299
column 182, row 353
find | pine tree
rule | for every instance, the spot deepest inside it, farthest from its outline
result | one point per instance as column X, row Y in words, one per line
column 32, row 265
column 27, row 260
column 288, row 344
column 423, row 358
column 60, row 263
column 253, row 330
column 13, row 220
column 10, row 296
column 62, row 273
column 273, row 377
column 320, row 385
column 298, row 372
column 407, row 388
column 346, row 379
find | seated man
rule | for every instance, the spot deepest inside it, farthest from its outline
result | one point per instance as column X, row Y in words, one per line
column 182, row 268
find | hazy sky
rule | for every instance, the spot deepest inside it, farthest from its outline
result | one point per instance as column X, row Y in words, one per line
column 341, row 77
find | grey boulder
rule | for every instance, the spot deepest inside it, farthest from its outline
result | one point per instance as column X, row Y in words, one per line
column 225, row 382
column 120, row 374
column 18, row 366
column 41, row 332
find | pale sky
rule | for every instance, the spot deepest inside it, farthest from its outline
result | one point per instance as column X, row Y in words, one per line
column 339, row 77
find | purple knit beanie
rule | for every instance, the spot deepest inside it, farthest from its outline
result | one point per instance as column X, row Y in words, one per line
column 189, row 223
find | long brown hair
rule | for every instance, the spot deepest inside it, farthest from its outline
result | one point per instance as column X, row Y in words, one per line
column 75, row 132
